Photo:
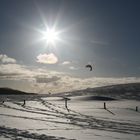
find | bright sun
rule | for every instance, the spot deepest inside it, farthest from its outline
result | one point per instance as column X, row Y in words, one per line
column 50, row 36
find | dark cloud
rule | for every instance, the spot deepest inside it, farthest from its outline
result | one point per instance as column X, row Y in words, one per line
column 8, row 74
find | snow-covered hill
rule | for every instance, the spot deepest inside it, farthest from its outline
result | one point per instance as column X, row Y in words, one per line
column 122, row 91
column 45, row 117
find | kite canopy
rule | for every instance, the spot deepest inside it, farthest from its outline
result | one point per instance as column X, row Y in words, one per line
column 89, row 66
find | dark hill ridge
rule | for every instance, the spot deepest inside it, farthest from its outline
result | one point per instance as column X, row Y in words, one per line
column 120, row 91
column 7, row 94
column 91, row 98
column 8, row 91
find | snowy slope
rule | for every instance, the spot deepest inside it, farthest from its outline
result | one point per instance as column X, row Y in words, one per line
column 47, row 118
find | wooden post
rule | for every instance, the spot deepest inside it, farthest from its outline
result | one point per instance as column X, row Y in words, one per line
column 137, row 108
column 23, row 103
column 66, row 103
column 104, row 105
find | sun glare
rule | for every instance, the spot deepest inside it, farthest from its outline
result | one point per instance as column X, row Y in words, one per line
column 50, row 36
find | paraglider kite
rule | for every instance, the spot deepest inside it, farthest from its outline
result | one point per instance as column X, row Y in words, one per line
column 89, row 66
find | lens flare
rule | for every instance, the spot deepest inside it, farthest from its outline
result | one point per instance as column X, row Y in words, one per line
column 50, row 35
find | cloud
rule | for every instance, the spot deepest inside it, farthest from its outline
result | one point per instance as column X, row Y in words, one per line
column 5, row 59
column 47, row 58
column 15, row 72
column 66, row 63
column 38, row 79
column 99, row 42
column 73, row 68
column 44, row 79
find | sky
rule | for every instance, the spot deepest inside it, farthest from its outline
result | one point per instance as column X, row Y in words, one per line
column 103, row 33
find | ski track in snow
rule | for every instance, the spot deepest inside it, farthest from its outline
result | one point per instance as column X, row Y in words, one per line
column 59, row 115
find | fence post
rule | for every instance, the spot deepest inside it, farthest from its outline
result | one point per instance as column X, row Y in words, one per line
column 136, row 108
column 104, row 105
column 23, row 103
